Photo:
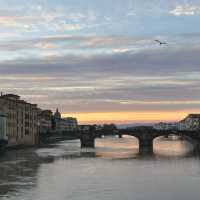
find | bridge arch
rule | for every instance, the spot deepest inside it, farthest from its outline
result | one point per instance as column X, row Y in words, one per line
column 132, row 137
column 186, row 137
column 146, row 138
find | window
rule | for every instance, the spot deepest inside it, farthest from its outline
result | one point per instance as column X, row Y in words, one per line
column 26, row 132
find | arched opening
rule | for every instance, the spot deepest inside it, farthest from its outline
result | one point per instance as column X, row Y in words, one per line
column 115, row 147
column 172, row 145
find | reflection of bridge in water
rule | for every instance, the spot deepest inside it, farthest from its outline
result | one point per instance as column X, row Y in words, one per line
column 145, row 136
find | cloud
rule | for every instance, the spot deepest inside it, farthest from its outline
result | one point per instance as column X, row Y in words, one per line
column 41, row 19
column 72, row 27
column 187, row 10
column 151, row 78
column 103, row 73
column 45, row 45
column 83, row 56
column 60, row 45
column 120, row 54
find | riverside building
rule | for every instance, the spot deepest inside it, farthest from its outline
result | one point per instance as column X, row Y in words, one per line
column 3, row 119
column 191, row 123
column 67, row 124
column 45, row 118
column 21, row 120
column 71, row 123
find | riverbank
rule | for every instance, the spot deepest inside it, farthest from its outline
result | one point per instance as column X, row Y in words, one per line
column 42, row 143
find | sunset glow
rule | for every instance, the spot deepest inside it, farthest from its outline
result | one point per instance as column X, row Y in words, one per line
column 128, row 117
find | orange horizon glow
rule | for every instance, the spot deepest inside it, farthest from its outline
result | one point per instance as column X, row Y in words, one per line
column 127, row 117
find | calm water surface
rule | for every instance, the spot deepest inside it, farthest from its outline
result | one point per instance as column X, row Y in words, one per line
column 113, row 171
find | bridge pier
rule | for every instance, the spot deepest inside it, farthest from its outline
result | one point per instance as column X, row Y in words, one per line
column 196, row 147
column 145, row 146
column 87, row 140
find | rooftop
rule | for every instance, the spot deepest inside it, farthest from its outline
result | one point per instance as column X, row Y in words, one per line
column 11, row 96
column 15, row 98
column 193, row 116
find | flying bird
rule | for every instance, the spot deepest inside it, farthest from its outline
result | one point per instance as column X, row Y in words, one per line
column 161, row 43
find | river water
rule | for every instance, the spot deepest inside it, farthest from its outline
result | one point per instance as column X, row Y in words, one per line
column 112, row 171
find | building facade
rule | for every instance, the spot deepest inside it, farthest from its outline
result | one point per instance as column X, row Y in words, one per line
column 67, row 124
column 21, row 124
column 3, row 132
column 191, row 123
column 56, row 121
column 44, row 120
column 71, row 123
column 166, row 126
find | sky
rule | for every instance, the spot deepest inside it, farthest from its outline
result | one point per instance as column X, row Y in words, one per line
column 97, row 59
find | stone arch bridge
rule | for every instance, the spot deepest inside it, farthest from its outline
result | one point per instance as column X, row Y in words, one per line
column 145, row 136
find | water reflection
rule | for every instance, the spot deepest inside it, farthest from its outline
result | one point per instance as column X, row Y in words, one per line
column 172, row 147
column 32, row 173
column 112, row 147
column 18, row 169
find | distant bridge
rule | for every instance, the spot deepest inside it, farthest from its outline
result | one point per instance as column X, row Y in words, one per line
column 145, row 136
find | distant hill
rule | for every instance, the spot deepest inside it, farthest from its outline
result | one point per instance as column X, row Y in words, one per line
column 121, row 126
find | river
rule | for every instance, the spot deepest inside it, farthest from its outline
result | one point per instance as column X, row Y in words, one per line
column 112, row 171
